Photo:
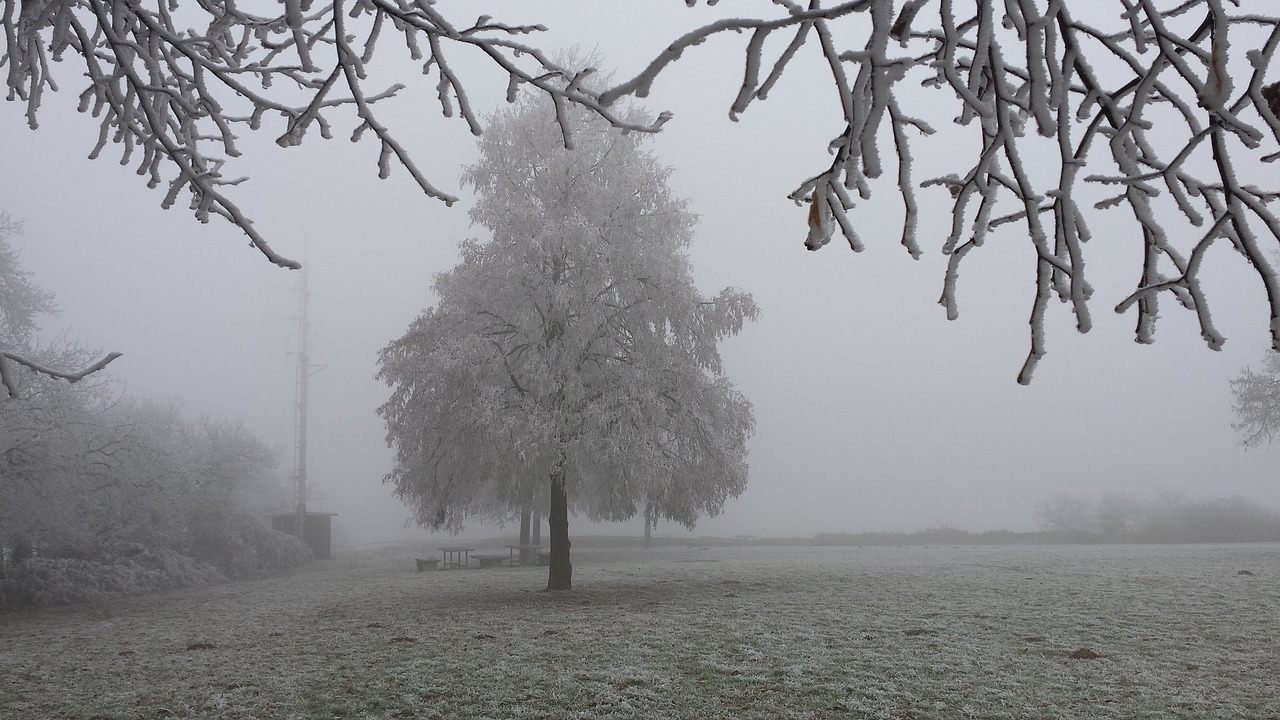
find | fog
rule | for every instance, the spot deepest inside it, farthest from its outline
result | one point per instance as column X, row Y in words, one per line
column 873, row 411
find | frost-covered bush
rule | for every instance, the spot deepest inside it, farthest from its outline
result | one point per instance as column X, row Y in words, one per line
column 132, row 570
column 58, row 581
column 245, row 548
column 275, row 550
column 100, row 496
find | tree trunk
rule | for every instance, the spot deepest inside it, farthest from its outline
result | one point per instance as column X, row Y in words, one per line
column 648, row 525
column 525, row 513
column 537, row 528
column 560, row 576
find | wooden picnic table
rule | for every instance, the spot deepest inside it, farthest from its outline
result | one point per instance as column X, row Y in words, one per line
column 525, row 550
column 455, row 556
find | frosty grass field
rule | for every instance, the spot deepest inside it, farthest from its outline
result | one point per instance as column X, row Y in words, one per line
column 696, row 632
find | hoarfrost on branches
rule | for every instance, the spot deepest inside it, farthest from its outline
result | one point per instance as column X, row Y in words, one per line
column 21, row 303
column 1165, row 110
column 174, row 84
column 1176, row 98
column 1256, row 397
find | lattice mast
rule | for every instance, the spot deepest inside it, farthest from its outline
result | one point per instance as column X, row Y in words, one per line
column 300, row 417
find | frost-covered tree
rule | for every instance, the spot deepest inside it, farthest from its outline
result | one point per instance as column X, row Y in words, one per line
column 99, row 494
column 84, row 474
column 570, row 355
column 1256, row 402
column 22, row 303
column 1065, row 513
column 46, row 430
column 1165, row 110
column 47, row 437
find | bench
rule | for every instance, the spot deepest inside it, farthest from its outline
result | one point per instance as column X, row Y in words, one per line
column 490, row 560
column 527, row 552
column 427, row 564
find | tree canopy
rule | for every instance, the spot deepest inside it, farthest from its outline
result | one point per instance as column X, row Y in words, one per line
column 570, row 359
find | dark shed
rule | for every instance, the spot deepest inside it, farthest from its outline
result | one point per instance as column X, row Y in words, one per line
column 316, row 531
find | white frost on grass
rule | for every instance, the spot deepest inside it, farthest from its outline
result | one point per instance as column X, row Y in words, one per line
column 718, row 632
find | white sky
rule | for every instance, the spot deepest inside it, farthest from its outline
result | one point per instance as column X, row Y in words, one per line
column 873, row 411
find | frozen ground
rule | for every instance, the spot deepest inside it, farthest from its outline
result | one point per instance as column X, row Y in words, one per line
column 715, row 632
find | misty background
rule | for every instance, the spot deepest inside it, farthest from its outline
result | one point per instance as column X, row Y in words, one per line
column 873, row 412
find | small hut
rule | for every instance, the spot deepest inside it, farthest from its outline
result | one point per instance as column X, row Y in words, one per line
column 316, row 530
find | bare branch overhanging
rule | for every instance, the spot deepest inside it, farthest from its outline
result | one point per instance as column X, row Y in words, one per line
column 8, row 358
column 1011, row 67
column 174, row 99
column 1171, row 104
column 21, row 303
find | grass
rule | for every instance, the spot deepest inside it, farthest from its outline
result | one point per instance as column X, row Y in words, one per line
column 715, row 632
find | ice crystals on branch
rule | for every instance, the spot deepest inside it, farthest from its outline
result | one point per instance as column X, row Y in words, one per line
column 8, row 359
column 174, row 84
column 1256, row 402
column 1171, row 107
column 21, row 303
column 1151, row 91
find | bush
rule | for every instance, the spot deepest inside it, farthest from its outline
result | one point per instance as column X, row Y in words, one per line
column 38, row 581
column 242, row 547
column 59, row 581
column 278, row 551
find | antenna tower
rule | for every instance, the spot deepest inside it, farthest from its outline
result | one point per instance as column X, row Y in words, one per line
column 305, row 371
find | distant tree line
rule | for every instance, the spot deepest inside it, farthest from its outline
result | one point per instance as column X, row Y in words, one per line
column 100, row 495
column 930, row 536
column 1118, row 517
column 1112, row 518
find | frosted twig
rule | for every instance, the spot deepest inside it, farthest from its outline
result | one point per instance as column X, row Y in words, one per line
column 10, row 383
column 1129, row 95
